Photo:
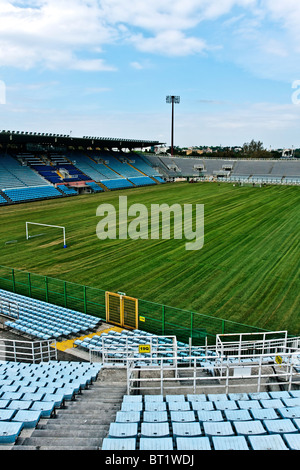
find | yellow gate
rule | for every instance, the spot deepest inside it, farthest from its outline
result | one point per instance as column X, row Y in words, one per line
column 121, row 310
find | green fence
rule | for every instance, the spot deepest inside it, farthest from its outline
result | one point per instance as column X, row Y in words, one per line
column 153, row 317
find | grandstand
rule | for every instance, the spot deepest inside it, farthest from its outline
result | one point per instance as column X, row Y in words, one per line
column 73, row 380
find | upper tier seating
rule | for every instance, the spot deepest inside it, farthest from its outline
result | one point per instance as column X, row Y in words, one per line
column 14, row 175
column 45, row 321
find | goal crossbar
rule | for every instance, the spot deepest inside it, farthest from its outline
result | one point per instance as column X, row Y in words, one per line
column 46, row 225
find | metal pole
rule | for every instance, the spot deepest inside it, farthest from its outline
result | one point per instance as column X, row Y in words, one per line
column 172, row 131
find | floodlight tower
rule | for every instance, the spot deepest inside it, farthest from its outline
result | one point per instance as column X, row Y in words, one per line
column 173, row 100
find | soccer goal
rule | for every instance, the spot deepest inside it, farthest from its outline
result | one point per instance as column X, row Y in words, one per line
column 45, row 225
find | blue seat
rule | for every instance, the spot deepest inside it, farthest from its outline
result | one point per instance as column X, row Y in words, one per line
column 186, row 429
column 153, row 398
column 292, row 440
column 46, row 408
column 131, row 406
column 155, row 429
column 264, row 413
column 7, row 414
column 225, row 405
column 128, row 417
column 218, row 428
column 9, row 431
column 289, row 412
column 119, row 444
column 193, row 443
column 155, row 406
column 237, row 415
column 155, row 416
column 182, row 416
column 179, row 406
column 279, row 426
column 272, row 403
column 210, row 415
column 253, row 427
column 230, row 443
column 249, row 404
column 118, row 430
column 202, row 405
column 29, row 418
column 20, row 404
column 267, row 442
column 156, row 444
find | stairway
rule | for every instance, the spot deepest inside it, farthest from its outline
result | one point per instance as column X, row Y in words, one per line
column 82, row 423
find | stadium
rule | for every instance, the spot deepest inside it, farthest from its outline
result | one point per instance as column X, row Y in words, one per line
column 134, row 343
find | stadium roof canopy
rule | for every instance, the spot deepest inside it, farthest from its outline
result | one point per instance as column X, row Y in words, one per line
column 20, row 138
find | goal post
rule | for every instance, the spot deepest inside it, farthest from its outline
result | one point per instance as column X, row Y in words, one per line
column 46, row 225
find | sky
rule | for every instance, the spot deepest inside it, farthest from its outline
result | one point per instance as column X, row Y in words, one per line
column 104, row 68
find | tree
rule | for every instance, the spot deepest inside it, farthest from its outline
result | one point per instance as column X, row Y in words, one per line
column 255, row 150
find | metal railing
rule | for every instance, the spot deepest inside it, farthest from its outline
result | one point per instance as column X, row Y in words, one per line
column 27, row 351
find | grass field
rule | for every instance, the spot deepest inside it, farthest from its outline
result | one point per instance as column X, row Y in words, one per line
column 248, row 270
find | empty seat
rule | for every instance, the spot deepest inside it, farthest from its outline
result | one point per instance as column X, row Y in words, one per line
column 292, row 440
column 223, row 428
column 119, row 444
column 272, row 403
column 155, row 429
column 267, row 442
column 253, row 427
column 225, row 405
column 264, row 413
column 186, row 429
column 29, row 418
column 156, row 444
column 292, row 412
column 182, row 416
column 193, row 443
column 230, row 443
column 128, row 417
column 210, row 415
column 179, row 406
column 123, row 430
column 279, row 426
column 237, row 415
column 9, row 431
column 155, row 416
column 249, row 404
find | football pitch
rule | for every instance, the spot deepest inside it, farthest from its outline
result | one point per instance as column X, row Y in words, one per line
column 248, row 270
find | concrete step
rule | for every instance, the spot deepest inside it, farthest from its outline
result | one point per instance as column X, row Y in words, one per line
column 57, row 443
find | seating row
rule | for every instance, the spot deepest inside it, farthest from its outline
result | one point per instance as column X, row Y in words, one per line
column 30, row 392
column 31, row 193
column 155, row 422
column 42, row 320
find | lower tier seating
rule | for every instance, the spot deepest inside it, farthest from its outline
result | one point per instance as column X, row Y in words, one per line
column 236, row 421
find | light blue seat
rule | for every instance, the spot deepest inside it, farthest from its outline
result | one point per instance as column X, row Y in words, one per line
column 267, row 442
column 128, row 417
column 238, row 396
column 20, row 405
column 153, row 398
column 225, row 405
column 156, row 444
column 288, row 412
column 210, row 415
column 279, row 426
column 131, row 406
column 118, row 430
column 56, row 398
column 202, row 405
column 253, row 427
column 272, row 403
column 280, row 394
column 259, row 395
column 249, row 404
column 193, row 443
column 196, row 397
column 179, row 406
column 291, row 401
column 155, row 416
column 29, row 418
column 218, row 428
column 155, row 406
column 237, row 415
column 264, row 413
column 155, row 429
column 217, row 397
column 182, row 416
column 7, row 414
column 9, row 431
column 292, row 440
column 175, row 398
column 46, row 408
column 132, row 399
column 230, row 443
column 110, row 443
column 186, row 429
column 4, row 403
